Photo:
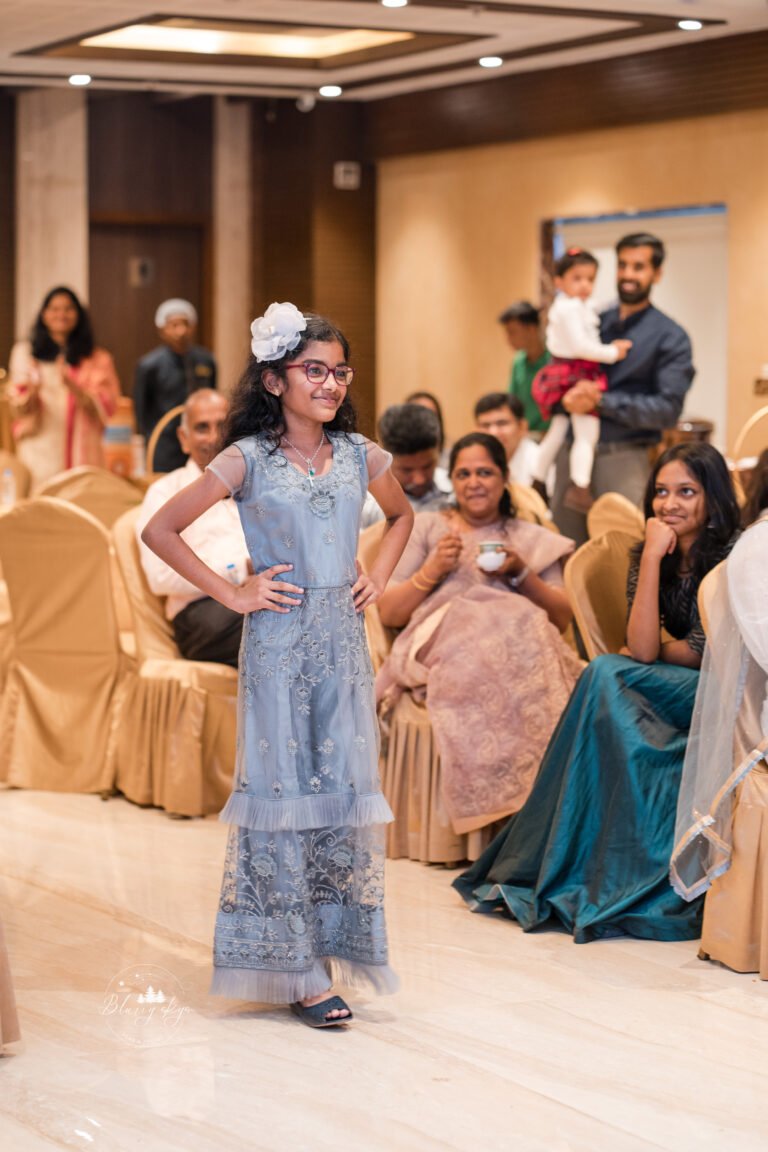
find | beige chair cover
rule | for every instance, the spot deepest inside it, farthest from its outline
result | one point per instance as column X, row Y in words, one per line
column 410, row 781
column 735, row 929
column 378, row 636
column 106, row 496
column 614, row 512
column 596, row 582
column 21, row 473
column 531, row 507
column 180, row 754
column 65, row 693
column 9, row 1021
column 95, row 490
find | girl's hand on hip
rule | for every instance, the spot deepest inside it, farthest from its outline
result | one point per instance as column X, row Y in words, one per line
column 263, row 593
column 365, row 591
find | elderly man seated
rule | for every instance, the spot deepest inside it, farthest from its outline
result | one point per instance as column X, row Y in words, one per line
column 203, row 628
column 412, row 433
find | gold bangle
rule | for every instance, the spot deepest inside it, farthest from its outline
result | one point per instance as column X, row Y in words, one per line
column 428, row 579
column 421, row 587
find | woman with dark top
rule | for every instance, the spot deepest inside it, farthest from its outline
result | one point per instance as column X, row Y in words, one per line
column 591, row 846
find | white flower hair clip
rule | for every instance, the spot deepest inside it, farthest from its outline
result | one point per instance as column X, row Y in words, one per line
column 276, row 332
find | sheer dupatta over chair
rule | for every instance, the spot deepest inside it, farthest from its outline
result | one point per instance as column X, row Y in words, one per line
column 180, row 754
column 596, row 582
column 65, row 694
column 721, row 838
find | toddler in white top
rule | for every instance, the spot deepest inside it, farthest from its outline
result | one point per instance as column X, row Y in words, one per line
column 573, row 339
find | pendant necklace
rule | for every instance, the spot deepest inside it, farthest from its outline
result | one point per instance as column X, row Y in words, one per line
column 308, row 460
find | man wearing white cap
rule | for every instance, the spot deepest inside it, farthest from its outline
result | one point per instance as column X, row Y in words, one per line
column 166, row 376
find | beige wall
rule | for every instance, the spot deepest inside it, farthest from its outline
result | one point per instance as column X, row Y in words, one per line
column 232, row 237
column 458, row 239
column 51, row 198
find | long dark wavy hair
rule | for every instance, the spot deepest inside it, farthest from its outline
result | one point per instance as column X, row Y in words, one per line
column 710, row 470
column 80, row 340
column 256, row 412
column 495, row 450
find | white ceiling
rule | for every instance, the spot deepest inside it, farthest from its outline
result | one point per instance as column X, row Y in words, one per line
column 28, row 25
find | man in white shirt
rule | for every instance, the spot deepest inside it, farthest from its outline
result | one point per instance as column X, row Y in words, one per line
column 203, row 628
column 502, row 415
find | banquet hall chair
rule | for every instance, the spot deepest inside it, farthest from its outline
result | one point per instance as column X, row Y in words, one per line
column 95, row 490
column 614, row 512
column 157, row 431
column 378, row 636
column 735, row 926
column 530, row 506
column 753, row 435
column 65, row 695
column 9, row 1019
column 21, row 473
column 180, row 755
column 596, row 583
column 106, row 496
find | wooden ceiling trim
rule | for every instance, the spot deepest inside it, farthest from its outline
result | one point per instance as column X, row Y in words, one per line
column 712, row 76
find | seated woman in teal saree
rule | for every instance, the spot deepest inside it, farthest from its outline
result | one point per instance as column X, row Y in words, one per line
column 590, row 848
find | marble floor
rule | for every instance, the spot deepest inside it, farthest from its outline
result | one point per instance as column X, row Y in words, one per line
column 496, row 1041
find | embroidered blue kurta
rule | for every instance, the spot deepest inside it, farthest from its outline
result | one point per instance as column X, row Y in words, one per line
column 303, row 890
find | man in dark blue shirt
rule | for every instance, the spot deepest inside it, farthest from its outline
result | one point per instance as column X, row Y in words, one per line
column 166, row 376
column 645, row 391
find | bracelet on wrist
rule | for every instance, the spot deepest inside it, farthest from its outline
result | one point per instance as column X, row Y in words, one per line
column 428, row 579
column 422, row 586
column 516, row 581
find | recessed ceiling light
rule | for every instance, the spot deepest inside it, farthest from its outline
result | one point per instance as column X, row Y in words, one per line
column 490, row 61
column 80, row 79
column 330, row 90
column 690, row 25
column 394, row 3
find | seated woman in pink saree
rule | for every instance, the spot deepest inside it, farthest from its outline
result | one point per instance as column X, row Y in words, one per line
column 484, row 648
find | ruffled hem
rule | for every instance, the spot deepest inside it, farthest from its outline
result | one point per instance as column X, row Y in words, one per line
column 302, row 812
column 263, row 987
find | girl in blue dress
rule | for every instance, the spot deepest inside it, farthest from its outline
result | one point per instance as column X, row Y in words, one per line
column 302, row 898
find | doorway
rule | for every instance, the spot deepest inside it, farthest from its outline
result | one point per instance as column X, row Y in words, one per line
column 133, row 268
column 693, row 289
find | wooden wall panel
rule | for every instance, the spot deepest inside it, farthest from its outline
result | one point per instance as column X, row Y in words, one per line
column 7, row 210
column 344, row 246
column 149, row 157
column 286, row 204
column 317, row 243
column 702, row 79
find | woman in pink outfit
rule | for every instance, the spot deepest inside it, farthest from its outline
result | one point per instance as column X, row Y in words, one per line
column 63, row 389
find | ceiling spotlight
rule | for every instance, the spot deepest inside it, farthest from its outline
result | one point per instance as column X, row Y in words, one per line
column 690, row 25
column 394, row 3
column 80, row 79
column 306, row 102
column 330, row 90
column 490, row 61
